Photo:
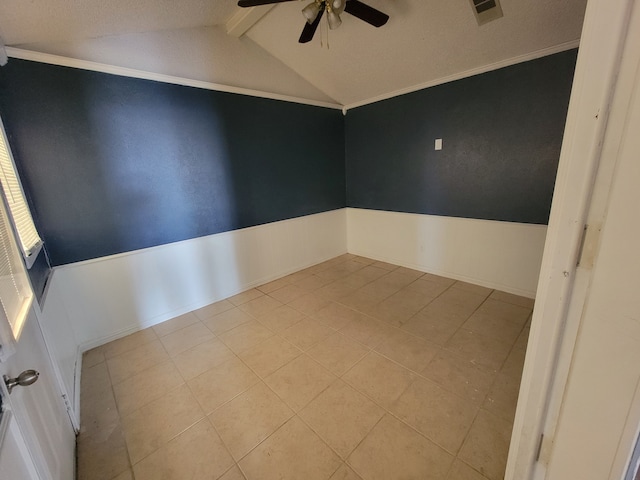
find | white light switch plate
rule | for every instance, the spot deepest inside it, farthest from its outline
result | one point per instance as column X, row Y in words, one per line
column 438, row 144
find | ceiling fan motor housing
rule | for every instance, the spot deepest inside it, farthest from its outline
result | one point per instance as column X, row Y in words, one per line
column 313, row 13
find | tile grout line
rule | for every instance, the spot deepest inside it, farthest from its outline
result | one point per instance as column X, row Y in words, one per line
column 312, row 317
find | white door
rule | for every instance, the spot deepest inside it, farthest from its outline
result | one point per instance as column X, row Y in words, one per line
column 15, row 459
column 40, row 421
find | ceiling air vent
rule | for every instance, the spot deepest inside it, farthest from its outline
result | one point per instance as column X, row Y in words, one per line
column 486, row 10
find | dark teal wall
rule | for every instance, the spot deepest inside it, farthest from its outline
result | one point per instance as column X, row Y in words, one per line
column 502, row 132
column 113, row 164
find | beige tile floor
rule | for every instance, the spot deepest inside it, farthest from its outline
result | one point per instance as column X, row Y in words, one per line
column 351, row 369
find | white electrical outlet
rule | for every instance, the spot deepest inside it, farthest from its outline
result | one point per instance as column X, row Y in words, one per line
column 438, row 145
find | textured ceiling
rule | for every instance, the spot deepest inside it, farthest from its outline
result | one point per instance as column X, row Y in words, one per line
column 424, row 40
column 30, row 21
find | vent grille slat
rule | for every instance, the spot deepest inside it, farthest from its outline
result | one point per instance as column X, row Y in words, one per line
column 484, row 6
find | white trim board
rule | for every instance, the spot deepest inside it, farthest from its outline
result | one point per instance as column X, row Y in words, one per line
column 135, row 73
column 501, row 255
column 230, row 234
column 50, row 59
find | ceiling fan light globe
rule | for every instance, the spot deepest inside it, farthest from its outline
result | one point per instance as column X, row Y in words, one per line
column 311, row 11
column 338, row 6
column 334, row 20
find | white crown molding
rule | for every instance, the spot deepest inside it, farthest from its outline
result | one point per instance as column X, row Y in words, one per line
column 130, row 72
column 134, row 73
column 468, row 73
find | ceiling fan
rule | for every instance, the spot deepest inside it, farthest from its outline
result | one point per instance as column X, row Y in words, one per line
column 314, row 11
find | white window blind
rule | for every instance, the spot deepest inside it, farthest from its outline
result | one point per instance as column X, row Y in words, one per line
column 16, row 295
column 27, row 233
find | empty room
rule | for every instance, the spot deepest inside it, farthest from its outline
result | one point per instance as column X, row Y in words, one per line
column 332, row 240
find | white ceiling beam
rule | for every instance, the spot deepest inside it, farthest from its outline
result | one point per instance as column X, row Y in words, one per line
column 245, row 18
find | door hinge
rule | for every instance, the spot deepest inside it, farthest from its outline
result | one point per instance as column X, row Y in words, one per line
column 589, row 245
column 66, row 402
column 70, row 413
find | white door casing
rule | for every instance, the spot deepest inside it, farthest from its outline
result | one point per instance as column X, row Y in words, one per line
column 599, row 417
column 597, row 128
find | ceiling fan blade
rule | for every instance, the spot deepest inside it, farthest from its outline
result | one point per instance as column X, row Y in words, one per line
column 366, row 13
column 309, row 29
column 255, row 3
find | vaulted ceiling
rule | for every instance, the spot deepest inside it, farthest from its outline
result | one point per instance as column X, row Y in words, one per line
column 425, row 42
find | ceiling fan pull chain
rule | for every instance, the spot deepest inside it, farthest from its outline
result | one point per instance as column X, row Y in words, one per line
column 327, row 29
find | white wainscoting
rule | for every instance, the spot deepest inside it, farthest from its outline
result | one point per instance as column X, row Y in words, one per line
column 502, row 255
column 91, row 303
column 113, row 296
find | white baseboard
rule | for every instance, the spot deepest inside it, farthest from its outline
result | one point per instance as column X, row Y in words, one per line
column 501, row 255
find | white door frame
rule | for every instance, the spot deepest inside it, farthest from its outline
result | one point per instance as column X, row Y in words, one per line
column 580, row 196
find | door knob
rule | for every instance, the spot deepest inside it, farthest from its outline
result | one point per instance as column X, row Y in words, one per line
column 26, row 378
